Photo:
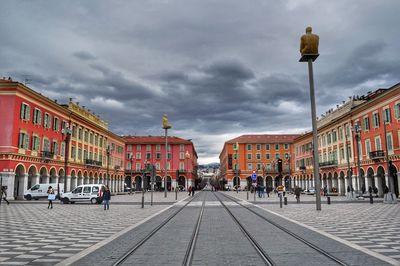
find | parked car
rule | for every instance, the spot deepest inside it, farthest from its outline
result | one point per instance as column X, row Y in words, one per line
column 40, row 190
column 310, row 191
column 85, row 193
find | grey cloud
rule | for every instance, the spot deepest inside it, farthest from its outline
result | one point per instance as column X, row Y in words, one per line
column 84, row 55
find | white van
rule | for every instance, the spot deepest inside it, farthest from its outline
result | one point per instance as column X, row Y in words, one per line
column 40, row 190
column 82, row 193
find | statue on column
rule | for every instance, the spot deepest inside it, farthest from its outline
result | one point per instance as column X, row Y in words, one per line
column 165, row 122
column 309, row 46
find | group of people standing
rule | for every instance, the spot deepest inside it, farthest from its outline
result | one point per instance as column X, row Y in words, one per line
column 191, row 190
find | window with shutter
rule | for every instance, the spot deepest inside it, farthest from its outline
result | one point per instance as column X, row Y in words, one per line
column 26, row 141
column 397, row 110
column 21, row 140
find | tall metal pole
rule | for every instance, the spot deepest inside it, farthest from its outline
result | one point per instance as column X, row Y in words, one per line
column 315, row 134
column 358, row 178
column 166, row 153
column 66, row 159
column 349, row 171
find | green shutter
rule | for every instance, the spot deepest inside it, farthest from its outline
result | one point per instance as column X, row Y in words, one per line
column 26, row 142
column 34, row 116
column 28, row 112
column 21, row 139
column 396, row 110
column 38, row 144
column 23, row 107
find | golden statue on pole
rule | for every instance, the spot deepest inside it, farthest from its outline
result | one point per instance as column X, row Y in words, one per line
column 165, row 122
column 309, row 46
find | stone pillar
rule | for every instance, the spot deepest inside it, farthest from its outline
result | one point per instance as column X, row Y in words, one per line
column 7, row 179
column 35, row 179
column 174, row 183
column 346, row 184
column 68, row 188
column 378, row 184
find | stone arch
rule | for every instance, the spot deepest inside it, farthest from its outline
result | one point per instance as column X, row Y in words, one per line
column 32, row 176
column 380, row 178
column 44, row 175
column 138, row 182
column 80, row 178
column 74, row 180
column 329, row 183
column 53, row 175
column 19, row 180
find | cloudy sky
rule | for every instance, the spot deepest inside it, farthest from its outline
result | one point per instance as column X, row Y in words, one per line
column 219, row 69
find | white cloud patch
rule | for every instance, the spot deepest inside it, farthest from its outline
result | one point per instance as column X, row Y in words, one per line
column 106, row 103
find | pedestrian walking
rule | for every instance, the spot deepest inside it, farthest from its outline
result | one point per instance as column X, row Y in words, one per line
column 50, row 196
column 297, row 192
column 3, row 194
column 190, row 190
column 193, row 190
column 376, row 191
column 106, row 198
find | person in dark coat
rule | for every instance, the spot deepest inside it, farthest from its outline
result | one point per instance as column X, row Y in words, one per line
column 3, row 194
column 297, row 192
column 107, row 198
column 193, row 190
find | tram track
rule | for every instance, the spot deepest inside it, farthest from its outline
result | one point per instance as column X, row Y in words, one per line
column 263, row 254
column 285, row 230
column 192, row 243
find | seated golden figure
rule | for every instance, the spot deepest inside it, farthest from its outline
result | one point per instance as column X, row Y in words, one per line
column 165, row 122
column 309, row 43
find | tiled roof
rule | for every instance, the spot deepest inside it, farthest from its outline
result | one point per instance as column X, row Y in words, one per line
column 154, row 140
column 265, row 138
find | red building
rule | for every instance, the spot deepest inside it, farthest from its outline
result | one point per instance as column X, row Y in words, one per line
column 352, row 137
column 142, row 151
column 38, row 132
column 257, row 154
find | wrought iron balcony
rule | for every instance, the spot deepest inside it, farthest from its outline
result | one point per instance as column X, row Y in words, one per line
column 331, row 163
column 117, row 167
column 47, row 154
column 92, row 163
column 375, row 155
column 302, row 168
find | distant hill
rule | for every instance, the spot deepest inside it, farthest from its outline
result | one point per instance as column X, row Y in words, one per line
column 208, row 166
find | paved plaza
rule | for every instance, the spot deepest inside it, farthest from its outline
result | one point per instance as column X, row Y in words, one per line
column 31, row 234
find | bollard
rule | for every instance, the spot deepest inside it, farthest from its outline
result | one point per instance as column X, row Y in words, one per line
column 285, row 201
column 329, row 200
column 280, row 201
column 371, row 199
column 176, row 194
column 142, row 198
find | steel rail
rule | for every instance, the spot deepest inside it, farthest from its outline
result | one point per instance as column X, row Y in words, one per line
column 319, row 250
column 192, row 244
column 265, row 257
column 149, row 235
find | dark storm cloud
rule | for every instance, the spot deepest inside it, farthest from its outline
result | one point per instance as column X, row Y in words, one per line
column 84, row 55
column 217, row 68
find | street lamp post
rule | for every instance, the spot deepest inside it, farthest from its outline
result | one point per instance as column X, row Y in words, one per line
column 288, row 161
column 309, row 53
column 166, row 126
column 131, row 158
column 187, row 157
column 349, row 170
column 67, row 134
column 357, row 130
column 108, row 165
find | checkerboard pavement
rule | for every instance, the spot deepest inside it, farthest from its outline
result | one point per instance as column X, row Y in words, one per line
column 31, row 234
column 372, row 226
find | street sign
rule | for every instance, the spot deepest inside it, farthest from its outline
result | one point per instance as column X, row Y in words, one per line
column 254, row 177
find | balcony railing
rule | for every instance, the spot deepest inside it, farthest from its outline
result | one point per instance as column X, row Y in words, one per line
column 92, row 163
column 328, row 164
column 302, row 168
column 379, row 154
column 47, row 154
column 117, row 167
